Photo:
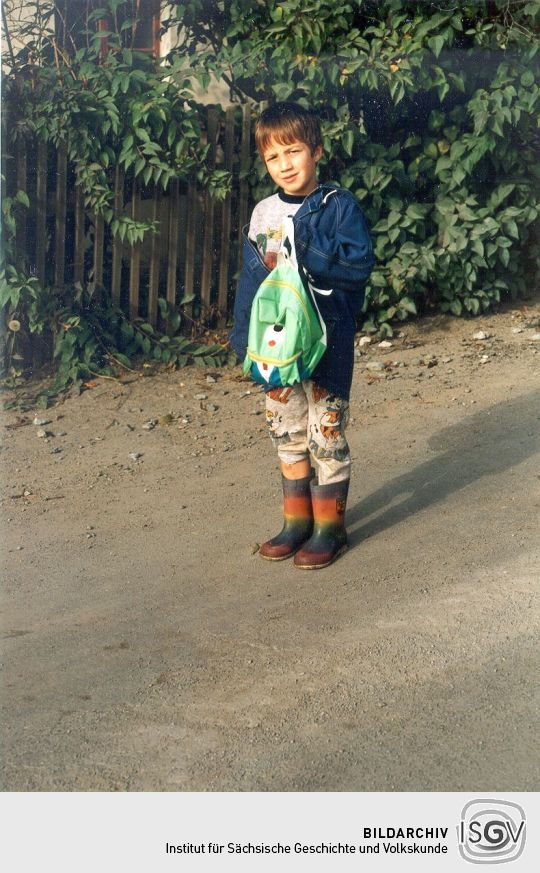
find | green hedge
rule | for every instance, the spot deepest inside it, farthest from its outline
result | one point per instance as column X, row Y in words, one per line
column 430, row 117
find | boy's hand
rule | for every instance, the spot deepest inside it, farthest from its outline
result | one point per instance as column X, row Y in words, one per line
column 270, row 260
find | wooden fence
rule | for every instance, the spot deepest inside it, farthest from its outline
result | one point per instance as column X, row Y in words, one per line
column 196, row 250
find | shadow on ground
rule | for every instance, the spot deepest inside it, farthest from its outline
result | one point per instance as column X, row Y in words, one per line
column 485, row 443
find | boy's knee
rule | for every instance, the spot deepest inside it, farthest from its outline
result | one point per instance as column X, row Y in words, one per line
column 291, row 447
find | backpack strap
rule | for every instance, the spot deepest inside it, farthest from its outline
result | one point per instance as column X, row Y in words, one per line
column 287, row 255
column 326, row 196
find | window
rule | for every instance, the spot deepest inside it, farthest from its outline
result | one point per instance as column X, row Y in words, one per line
column 136, row 21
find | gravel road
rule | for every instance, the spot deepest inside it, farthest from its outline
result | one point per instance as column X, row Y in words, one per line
column 146, row 646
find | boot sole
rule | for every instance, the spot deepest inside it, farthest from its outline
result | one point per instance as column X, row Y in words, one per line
column 320, row 566
column 282, row 557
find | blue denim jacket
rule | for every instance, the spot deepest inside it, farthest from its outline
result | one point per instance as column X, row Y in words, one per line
column 333, row 245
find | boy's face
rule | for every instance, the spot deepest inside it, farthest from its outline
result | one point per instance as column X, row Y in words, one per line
column 293, row 166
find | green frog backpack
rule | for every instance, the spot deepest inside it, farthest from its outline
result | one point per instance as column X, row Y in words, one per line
column 287, row 336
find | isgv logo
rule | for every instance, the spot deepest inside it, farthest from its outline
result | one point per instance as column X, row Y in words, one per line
column 491, row 831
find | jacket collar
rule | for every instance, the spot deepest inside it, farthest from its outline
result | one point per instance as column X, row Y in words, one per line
column 313, row 201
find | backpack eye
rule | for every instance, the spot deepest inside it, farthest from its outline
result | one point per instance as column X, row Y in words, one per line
column 274, row 335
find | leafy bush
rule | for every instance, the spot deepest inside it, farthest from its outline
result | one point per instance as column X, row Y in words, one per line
column 113, row 109
column 93, row 337
column 430, row 117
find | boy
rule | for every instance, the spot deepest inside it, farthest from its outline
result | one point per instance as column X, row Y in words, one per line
column 307, row 421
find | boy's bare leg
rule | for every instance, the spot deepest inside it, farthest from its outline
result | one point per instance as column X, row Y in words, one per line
column 299, row 470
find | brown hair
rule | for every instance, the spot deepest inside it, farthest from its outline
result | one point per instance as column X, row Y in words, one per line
column 286, row 123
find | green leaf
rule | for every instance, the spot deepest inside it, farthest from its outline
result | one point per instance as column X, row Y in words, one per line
column 22, row 197
column 408, row 305
column 500, row 194
column 408, row 248
column 348, row 142
column 478, row 247
column 123, row 359
column 472, row 304
column 417, row 210
column 175, row 320
column 512, row 228
column 443, row 90
column 377, row 279
column 436, row 43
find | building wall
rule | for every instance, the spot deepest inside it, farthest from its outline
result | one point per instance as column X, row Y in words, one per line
column 21, row 12
column 217, row 92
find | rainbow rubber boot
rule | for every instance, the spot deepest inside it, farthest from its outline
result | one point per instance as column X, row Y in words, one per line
column 298, row 521
column 329, row 539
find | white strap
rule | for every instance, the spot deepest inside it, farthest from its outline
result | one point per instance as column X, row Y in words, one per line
column 284, row 256
column 325, row 292
column 289, row 258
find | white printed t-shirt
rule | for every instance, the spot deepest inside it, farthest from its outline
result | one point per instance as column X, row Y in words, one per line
column 266, row 225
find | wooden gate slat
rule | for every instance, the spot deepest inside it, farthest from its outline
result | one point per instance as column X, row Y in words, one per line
column 243, row 199
column 135, row 260
column 155, row 251
column 189, row 268
column 208, row 216
column 174, row 232
column 22, row 185
column 78, row 256
column 99, row 238
column 116, row 269
column 224, row 260
column 192, row 232
column 41, row 211
column 61, row 209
